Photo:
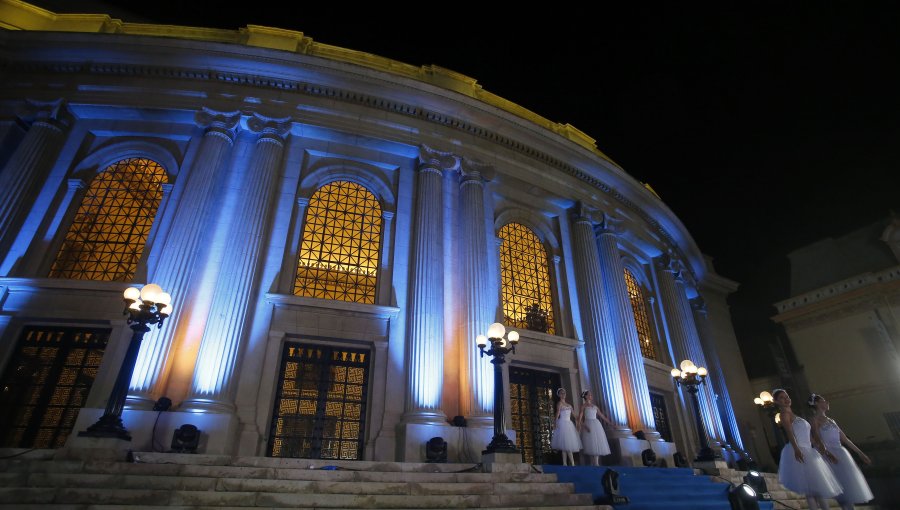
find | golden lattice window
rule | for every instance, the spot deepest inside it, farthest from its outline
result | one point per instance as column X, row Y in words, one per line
column 107, row 236
column 341, row 238
column 641, row 321
column 525, row 280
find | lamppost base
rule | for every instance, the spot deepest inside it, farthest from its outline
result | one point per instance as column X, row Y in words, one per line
column 501, row 444
column 109, row 425
column 705, row 455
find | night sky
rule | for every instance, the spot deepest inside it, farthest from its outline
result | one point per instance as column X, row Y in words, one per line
column 764, row 127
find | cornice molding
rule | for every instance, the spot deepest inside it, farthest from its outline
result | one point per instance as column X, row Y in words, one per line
column 837, row 289
column 357, row 98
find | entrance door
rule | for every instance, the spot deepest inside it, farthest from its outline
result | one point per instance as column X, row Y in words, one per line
column 531, row 404
column 320, row 404
column 661, row 416
column 46, row 383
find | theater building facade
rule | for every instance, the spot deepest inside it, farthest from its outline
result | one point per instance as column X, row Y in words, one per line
column 335, row 229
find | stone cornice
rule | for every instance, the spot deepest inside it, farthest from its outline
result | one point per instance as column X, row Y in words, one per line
column 842, row 299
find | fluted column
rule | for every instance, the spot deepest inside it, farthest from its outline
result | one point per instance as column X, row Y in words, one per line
column 425, row 332
column 179, row 253
column 214, row 380
column 631, row 366
column 599, row 335
column 30, row 164
column 683, row 334
column 479, row 309
column 725, row 409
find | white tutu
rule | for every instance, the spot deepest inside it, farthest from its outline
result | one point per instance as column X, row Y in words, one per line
column 565, row 436
column 593, row 438
column 811, row 478
column 856, row 490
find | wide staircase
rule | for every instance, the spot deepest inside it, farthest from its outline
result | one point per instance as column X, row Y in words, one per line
column 165, row 480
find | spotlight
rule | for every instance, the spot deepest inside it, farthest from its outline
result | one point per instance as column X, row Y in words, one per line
column 648, row 456
column 680, row 460
column 186, row 439
column 742, row 497
column 163, row 404
column 436, row 450
column 610, row 482
column 757, row 481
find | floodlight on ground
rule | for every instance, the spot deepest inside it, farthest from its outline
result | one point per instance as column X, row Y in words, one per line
column 612, row 496
column 742, row 497
column 757, row 481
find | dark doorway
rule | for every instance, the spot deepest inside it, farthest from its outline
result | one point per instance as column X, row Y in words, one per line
column 320, row 404
column 46, row 384
column 532, row 407
column 661, row 416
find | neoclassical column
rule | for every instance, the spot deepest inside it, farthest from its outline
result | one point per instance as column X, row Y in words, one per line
column 730, row 433
column 684, row 336
column 213, row 383
column 182, row 245
column 479, row 300
column 425, row 330
column 631, row 366
column 599, row 334
column 29, row 165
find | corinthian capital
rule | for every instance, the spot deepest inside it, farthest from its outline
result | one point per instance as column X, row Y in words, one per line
column 583, row 213
column 53, row 113
column 219, row 121
column 475, row 171
column 436, row 160
column 609, row 224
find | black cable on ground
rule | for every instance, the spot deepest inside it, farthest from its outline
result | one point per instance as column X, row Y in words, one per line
column 20, row 453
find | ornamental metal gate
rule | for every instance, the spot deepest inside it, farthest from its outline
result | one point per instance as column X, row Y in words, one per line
column 320, row 404
column 46, row 383
column 531, row 405
column 661, row 416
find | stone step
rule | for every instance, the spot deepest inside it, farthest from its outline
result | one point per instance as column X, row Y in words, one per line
column 92, row 496
column 63, row 506
column 221, row 471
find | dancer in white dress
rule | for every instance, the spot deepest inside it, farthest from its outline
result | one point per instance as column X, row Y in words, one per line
column 565, row 437
column 593, row 438
column 856, row 490
column 802, row 469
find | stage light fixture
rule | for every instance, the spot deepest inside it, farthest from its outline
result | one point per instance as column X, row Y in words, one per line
column 610, row 482
column 186, row 439
column 436, row 450
column 757, row 481
column 742, row 497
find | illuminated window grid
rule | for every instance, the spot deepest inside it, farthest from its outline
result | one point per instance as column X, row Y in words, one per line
column 106, row 239
column 641, row 321
column 46, row 383
column 524, row 275
column 532, row 411
column 341, row 240
column 661, row 416
column 320, row 407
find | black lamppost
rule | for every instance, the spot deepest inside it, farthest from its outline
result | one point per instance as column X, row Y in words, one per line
column 691, row 377
column 767, row 403
column 144, row 307
column 500, row 347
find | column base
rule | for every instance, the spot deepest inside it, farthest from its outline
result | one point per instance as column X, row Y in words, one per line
column 108, row 426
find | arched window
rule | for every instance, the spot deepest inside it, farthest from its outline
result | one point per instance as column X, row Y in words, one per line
column 107, row 237
column 341, row 240
column 525, row 280
column 641, row 320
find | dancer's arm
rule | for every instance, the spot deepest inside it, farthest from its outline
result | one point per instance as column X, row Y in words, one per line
column 603, row 417
column 581, row 423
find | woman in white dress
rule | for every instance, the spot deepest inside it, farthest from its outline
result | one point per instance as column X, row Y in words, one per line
column 802, row 469
column 856, row 490
column 593, row 438
column 565, row 437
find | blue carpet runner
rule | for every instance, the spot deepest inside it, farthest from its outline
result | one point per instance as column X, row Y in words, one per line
column 652, row 488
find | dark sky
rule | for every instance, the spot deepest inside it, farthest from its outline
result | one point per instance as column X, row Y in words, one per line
column 763, row 126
